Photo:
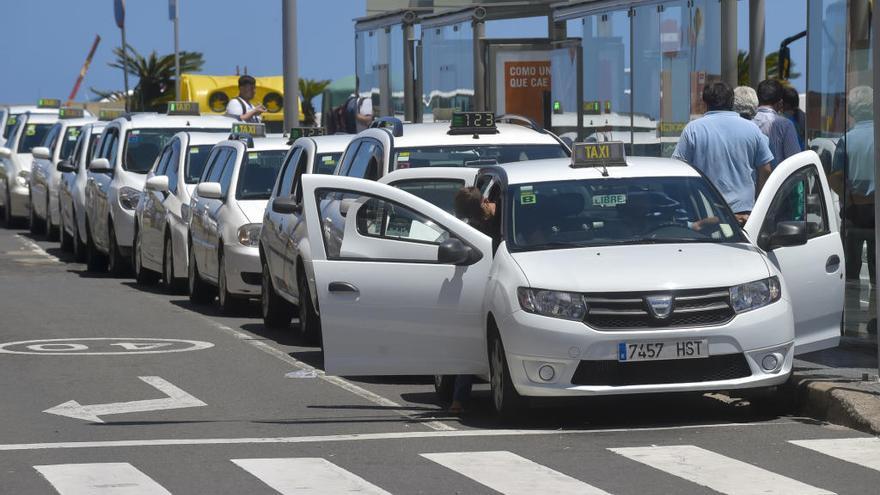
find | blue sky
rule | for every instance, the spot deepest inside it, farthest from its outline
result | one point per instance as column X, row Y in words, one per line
column 47, row 40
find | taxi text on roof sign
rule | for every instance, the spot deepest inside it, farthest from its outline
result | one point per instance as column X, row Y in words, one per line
column 298, row 132
column 473, row 123
column 253, row 130
column 107, row 114
column 183, row 108
column 71, row 113
column 593, row 154
column 49, row 103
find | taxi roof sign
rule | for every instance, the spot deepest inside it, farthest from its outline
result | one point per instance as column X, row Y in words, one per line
column 473, row 123
column 609, row 154
column 183, row 108
column 108, row 114
column 48, row 103
column 71, row 113
column 249, row 129
column 298, row 132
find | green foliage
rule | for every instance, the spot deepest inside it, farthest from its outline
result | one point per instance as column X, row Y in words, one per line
column 771, row 64
column 308, row 90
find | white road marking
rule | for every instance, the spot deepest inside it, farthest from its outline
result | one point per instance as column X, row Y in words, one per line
column 177, row 399
column 409, row 435
column 111, row 478
column 716, row 471
column 73, row 346
column 862, row 451
column 35, row 248
column 307, row 476
column 510, row 474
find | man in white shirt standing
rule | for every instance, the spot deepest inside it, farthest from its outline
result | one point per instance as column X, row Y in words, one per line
column 240, row 107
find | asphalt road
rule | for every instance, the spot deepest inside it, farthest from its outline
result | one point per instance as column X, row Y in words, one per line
column 106, row 387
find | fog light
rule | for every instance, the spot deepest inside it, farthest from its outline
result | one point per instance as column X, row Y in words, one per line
column 770, row 362
column 546, row 372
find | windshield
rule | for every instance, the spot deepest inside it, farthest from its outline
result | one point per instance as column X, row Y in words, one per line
column 603, row 212
column 196, row 159
column 142, row 146
column 11, row 120
column 69, row 142
column 438, row 192
column 473, row 156
column 325, row 163
column 32, row 136
column 258, row 172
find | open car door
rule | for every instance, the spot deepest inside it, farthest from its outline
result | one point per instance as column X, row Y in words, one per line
column 797, row 196
column 399, row 282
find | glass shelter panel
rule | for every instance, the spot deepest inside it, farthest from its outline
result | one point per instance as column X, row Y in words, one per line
column 607, row 88
column 646, row 80
column 675, row 62
column 395, row 70
column 372, row 64
column 448, row 70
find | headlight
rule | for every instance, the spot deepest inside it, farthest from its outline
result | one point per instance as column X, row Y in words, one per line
column 567, row 305
column 753, row 295
column 129, row 197
column 249, row 234
column 23, row 177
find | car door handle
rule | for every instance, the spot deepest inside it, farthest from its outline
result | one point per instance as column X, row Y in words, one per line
column 832, row 264
column 342, row 287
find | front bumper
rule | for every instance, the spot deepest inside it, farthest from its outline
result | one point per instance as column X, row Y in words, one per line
column 19, row 197
column 242, row 263
column 736, row 351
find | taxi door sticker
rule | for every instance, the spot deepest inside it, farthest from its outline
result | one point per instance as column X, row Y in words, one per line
column 30, row 130
column 403, row 159
column 253, row 156
column 527, row 196
column 193, row 151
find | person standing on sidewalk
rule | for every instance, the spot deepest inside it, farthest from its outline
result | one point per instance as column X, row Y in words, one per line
column 731, row 151
column 778, row 129
column 240, row 107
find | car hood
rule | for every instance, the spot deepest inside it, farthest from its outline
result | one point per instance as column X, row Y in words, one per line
column 253, row 209
column 644, row 267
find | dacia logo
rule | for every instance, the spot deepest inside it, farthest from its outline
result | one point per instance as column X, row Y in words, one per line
column 660, row 306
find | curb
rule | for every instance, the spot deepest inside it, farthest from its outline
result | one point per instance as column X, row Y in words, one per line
column 840, row 402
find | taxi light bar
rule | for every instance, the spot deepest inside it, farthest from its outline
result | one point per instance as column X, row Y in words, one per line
column 183, row 108
column 298, row 132
column 48, row 103
column 70, row 113
column 108, row 114
column 610, row 154
column 393, row 123
column 248, row 129
column 475, row 123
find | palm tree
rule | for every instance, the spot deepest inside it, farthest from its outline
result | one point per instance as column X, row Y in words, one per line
column 309, row 89
column 771, row 67
column 155, row 74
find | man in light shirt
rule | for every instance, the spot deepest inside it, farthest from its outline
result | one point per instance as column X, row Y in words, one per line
column 240, row 107
column 778, row 129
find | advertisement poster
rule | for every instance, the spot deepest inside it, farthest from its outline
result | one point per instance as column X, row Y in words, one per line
column 525, row 83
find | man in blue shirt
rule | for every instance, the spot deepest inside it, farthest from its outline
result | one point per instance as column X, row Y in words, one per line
column 731, row 151
column 778, row 129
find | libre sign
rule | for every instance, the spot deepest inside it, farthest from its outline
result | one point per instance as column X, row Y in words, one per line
column 524, row 86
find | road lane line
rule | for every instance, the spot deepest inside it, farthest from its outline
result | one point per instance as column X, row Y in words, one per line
column 111, row 478
column 510, row 474
column 862, row 451
column 36, row 249
column 718, row 472
column 307, row 476
column 409, row 435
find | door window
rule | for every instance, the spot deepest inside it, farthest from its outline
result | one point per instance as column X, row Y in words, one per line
column 51, row 138
column 162, row 164
column 347, row 160
column 800, row 199
column 226, row 176
column 215, row 165
column 285, row 185
column 173, row 168
column 367, row 161
column 297, row 178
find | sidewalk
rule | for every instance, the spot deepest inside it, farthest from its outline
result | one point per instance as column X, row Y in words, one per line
column 832, row 386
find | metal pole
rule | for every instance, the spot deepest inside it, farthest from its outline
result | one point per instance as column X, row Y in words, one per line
column 125, row 69
column 291, row 64
column 409, row 97
column 729, row 70
column 875, row 21
column 177, row 50
column 479, row 66
column 757, row 65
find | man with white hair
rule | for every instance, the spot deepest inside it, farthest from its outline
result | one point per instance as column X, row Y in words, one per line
column 745, row 102
column 852, row 178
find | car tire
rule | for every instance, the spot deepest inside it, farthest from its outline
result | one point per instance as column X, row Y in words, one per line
column 8, row 219
column 116, row 263
column 780, row 400
column 142, row 276
column 199, row 290
column 66, row 239
column 444, row 387
column 79, row 247
column 172, row 284
column 34, row 225
column 96, row 261
column 51, row 230
column 506, row 401
column 309, row 320
column 230, row 304
column 277, row 312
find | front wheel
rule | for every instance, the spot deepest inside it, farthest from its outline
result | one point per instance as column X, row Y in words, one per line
column 277, row 312
column 309, row 320
column 116, row 262
column 444, row 387
column 34, row 224
column 229, row 303
column 142, row 275
column 199, row 290
column 172, row 284
column 96, row 261
column 52, row 231
column 79, row 247
column 506, row 400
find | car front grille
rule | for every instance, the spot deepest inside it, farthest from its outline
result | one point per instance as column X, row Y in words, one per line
column 632, row 311
column 617, row 374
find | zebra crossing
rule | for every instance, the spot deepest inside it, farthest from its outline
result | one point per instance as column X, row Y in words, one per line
column 500, row 471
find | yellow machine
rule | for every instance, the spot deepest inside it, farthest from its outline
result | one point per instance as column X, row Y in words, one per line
column 214, row 92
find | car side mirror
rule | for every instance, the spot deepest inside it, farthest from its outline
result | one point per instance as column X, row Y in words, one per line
column 65, row 166
column 286, row 205
column 787, row 234
column 453, row 252
column 157, row 183
column 210, row 190
column 100, row 166
column 5, row 152
column 41, row 152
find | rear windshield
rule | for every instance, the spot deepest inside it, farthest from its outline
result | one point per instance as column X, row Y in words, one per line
column 258, row 172
column 325, row 163
column 32, row 136
column 474, row 155
column 69, row 142
column 438, row 192
column 142, row 146
column 196, row 158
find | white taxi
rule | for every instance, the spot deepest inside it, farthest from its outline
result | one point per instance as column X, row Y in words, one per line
column 16, row 161
column 45, row 214
column 72, row 190
column 283, row 230
column 436, row 185
column 129, row 146
column 613, row 275
column 9, row 114
column 226, row 214
column 160, row 245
